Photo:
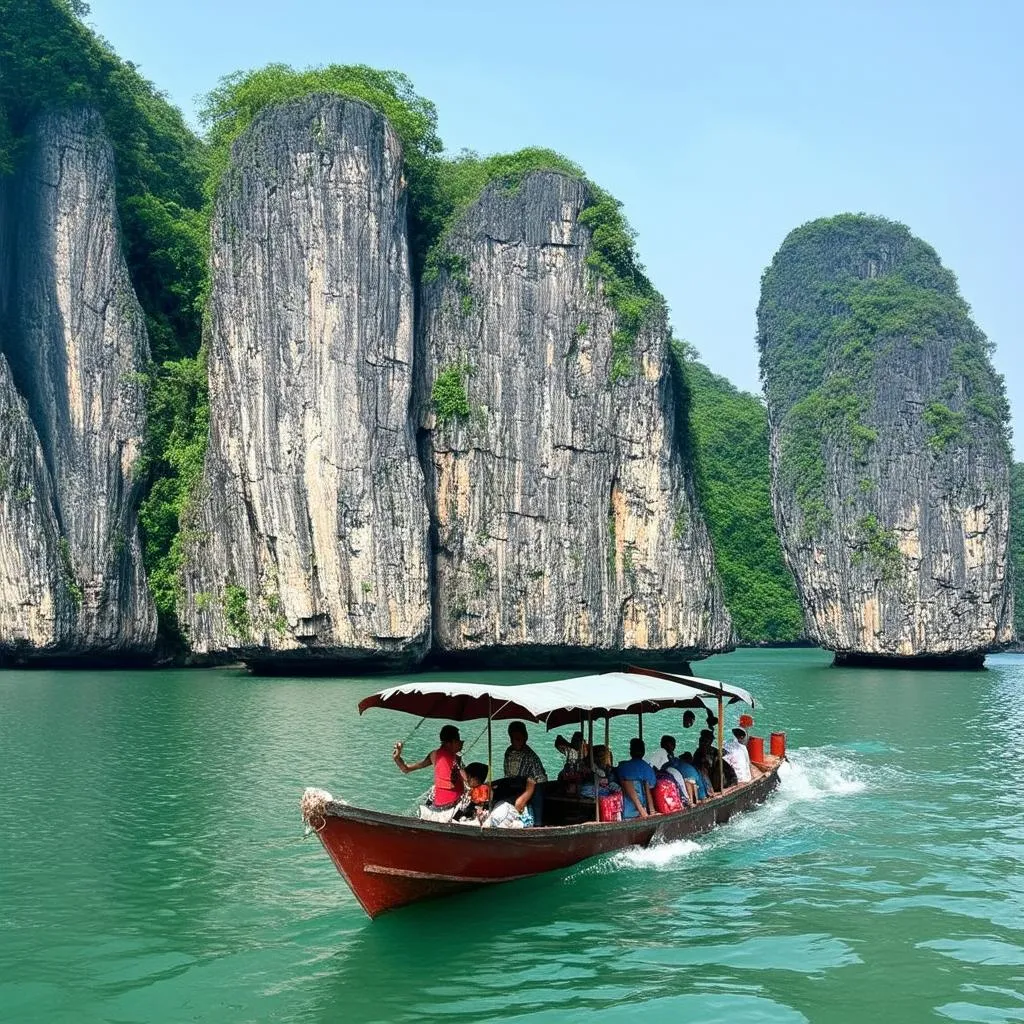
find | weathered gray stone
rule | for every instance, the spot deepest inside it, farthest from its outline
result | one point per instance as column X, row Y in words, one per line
column 37, row 610
column 567, row 528
column 308, row 542
column 77, row 346
column 901, row 553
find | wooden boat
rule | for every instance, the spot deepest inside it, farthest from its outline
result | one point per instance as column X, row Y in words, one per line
column 390, row 860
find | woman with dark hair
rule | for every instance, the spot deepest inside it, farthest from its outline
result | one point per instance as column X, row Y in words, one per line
column 449, row 775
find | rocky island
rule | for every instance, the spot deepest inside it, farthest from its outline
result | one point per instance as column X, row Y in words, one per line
column 890, row 458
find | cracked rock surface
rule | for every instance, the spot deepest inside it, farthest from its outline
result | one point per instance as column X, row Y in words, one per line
column 566, row 522
column 911, row 561
column 76, row 344
column 308, row 542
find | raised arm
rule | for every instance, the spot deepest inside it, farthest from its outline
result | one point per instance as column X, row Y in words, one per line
column 404, row 768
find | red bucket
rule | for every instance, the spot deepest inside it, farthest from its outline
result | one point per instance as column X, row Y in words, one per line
column 778, row 744
column 755, row 748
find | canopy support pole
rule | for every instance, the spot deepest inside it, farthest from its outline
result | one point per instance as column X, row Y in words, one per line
column 608, row 734
column 490, row 768
column 721, row 746
column 640, row 724
column 593, row 772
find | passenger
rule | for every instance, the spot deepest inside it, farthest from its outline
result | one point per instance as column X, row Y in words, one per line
column 603, row 774
column 717, row 770
column 574, row 751
column 664, row 753
column 476, row 801
column 737, row 756
column 688, row 719
column 521, row 762
column 697, row 786
column 509, row 806
column 671, row 770
column 449, row 775
column 637, row 779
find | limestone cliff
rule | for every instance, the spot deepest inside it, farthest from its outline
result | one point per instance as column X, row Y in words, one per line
column 566, row 524
column 308, row 541
column 76, row 342
column 37, row 601
column 889, row 454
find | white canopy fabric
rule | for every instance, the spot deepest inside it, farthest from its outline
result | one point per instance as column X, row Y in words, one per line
column 558, row 702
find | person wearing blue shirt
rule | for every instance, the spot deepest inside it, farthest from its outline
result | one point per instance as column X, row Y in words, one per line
column 637, row 779
column 690, row 772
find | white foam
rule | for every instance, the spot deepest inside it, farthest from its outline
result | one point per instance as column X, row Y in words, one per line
column 812, row 774
column 657, row 856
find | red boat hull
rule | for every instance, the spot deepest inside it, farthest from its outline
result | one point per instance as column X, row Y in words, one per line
column 390, row 860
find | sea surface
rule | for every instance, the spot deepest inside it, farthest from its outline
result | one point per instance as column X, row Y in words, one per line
column 152, row 865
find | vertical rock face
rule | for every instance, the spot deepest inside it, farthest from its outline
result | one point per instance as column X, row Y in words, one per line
column 309, row 539
column 37, row 608
column 567, row 528
column 76, row 343
column 889, row 454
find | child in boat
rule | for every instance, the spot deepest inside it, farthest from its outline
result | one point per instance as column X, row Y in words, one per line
column 476, row 803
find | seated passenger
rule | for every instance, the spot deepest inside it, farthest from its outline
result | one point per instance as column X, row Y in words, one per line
column 664, row 753
column 603, row 774
column 637, row 779
column 697, row 786
column 521, row 762
column 574, row 751
column 449, row 775
column 718, row 771
column 737, row 756
column 476, row 801
column 671, row 771
column 510, row 806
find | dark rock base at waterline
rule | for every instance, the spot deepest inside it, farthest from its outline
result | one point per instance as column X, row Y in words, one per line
column 945, row 662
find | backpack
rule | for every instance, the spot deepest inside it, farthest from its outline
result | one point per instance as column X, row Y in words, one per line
column 666, row 795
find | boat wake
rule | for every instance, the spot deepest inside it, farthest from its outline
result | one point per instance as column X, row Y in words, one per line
column 656, row 857
column 813, row 773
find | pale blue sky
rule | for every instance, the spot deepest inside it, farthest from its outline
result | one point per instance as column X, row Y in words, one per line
column 720, row 125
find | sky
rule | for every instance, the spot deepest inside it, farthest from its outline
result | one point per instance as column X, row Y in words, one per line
column 721, row 125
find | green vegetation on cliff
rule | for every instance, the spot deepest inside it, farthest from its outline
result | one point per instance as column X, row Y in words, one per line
column 1017, row 545
column 838, row 295
column 442, row 188
column 51, row 61
column 167, row 179
column 730, row 429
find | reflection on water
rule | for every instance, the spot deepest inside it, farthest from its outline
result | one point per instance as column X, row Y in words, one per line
column 151, row 866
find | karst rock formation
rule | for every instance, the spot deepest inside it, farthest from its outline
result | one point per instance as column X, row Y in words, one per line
column 566, row 522
column 888, row 444
column 307, row 543
column 73, row 415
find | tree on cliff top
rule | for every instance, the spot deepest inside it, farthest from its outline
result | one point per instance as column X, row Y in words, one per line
column 50, row 60
column 440, row 188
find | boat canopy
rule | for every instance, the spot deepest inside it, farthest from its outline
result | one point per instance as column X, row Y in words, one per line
column 559, row 702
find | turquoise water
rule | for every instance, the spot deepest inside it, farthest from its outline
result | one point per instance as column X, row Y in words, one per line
column 151, row 865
